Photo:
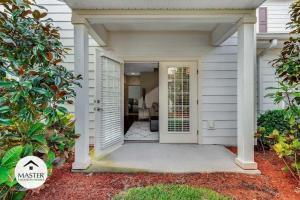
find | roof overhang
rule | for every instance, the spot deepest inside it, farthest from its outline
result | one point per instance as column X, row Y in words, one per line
column 220, row 18
column 164, row 4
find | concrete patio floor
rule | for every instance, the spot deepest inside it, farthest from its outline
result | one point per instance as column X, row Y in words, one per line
column 168, row 158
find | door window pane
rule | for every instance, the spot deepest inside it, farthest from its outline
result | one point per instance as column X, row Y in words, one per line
column 178, row 99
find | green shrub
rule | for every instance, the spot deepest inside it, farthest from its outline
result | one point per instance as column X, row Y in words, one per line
column 287, row 66
column 34, row 86
column 169, row 192
column 273, row 119
column 269, row 121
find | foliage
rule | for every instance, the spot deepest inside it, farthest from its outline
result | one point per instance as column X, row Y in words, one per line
column 267, row 122
column 34, row 86
column 287, row 143
column 170, row 192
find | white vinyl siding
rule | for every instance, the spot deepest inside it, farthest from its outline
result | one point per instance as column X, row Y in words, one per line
column 277, row 15
column 267, row 79
column 61, row 14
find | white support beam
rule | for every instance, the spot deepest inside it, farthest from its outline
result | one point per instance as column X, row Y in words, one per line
column 246, row 95
column 82, row 159
column 98, row 33
column 221, row 33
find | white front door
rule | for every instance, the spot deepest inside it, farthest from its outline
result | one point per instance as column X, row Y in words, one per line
column 178, row 102
column 108, row 103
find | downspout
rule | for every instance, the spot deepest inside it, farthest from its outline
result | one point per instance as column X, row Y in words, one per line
column 272, row 44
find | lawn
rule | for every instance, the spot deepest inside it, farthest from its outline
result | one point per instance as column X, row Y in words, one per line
column 169, row 192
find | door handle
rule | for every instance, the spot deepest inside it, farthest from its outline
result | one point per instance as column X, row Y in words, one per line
column 98, row 109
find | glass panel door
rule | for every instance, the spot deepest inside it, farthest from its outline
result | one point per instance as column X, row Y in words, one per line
column 178, row 102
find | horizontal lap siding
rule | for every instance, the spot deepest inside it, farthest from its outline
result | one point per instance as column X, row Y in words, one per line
column 268, row 79
column 278, row 15
column 61, row 15
column 219, row 94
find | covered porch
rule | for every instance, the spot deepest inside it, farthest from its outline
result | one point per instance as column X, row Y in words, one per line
column 167, row 158
column 215, row 22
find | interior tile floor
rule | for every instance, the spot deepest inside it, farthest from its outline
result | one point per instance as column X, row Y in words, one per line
column 140, row 131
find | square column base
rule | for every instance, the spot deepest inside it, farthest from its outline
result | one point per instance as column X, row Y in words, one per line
column 246, row 165
column 81, row 165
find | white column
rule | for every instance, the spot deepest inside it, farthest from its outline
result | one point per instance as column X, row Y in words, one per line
column 82, row 159
column 246, row 95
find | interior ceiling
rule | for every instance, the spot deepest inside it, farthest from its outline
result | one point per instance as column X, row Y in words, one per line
column 139, row 67
column 164, row 4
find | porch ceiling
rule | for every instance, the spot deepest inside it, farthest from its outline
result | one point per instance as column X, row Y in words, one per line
column 165, row 4
column 174, row 24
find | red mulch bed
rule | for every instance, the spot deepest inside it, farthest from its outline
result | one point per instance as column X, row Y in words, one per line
column 272, row 184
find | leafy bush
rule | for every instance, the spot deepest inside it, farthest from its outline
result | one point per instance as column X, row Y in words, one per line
column 287, row 143
column 34, row 86
column 269, row 121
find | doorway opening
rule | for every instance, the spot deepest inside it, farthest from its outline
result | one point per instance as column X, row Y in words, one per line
column 141, row 101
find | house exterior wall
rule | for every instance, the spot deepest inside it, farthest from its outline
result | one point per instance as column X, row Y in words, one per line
column 267, row 79
column 277, row 17
column 218, row 75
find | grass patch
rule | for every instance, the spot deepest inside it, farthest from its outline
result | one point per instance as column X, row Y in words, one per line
column 170, row 192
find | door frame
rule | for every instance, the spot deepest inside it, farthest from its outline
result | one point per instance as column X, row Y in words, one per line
column 197, row 59
column 100, row 52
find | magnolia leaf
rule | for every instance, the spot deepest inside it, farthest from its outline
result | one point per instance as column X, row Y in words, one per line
column 62, row 109
column 42, row 15
column 6, row 84
column 36, row 14
column 5, row 121
column 48, row 110
column 49, row 56
column 57, row 81
column 12, row 155
column 4, row 109
column 40, row 90
column 25, row 13
column 9, row 41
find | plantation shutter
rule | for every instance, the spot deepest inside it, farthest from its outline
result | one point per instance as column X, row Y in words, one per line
column 108, row 109
column 263, row 20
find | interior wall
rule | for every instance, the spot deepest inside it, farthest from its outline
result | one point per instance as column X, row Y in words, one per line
column 149, row 81
column 129, row 80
